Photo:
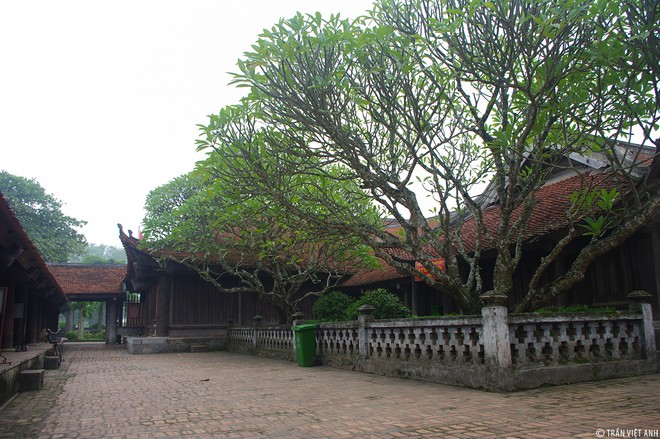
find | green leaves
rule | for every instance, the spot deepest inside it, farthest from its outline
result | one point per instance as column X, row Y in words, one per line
column 40, row 214
column 595, row 226
column 254, row 208
column 348, row 122
column 597, row 200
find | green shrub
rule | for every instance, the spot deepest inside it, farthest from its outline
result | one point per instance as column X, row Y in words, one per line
column 72, row 335
column 575, row 308
column 95, row 336
column 388, row 305
column 332, row 306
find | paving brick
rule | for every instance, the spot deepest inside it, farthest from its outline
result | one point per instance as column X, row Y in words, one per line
column 110, row 393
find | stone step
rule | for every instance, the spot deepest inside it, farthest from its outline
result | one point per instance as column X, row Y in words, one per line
column 31, row 379
column 51, row 362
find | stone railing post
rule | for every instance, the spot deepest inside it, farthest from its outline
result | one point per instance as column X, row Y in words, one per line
column 640, row 299
column 497, row 349
column 366, row 315
column 298, row 318
column 256, row 323
column 230, row 323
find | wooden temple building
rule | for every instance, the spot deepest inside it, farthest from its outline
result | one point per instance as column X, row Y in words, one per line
column 30, row 297
column 170, row 300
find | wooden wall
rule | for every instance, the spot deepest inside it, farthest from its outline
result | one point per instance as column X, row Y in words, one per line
column 197, row 302
column 607, row 281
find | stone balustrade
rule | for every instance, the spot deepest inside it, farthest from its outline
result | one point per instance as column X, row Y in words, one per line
column 560, row 340
column 429, row 342
column 495, row 351
column 269, row 341
column 337, row 339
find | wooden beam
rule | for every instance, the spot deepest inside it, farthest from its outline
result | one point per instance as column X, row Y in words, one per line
column 9, row 255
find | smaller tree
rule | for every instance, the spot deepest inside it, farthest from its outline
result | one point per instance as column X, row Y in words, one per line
column 386, row 304
column 332, row 306
column 85, row 311
column 241, row 241
column 40, row 214
column 162, row 203
column 100, row 254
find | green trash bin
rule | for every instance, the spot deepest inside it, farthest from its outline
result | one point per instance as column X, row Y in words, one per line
column 305, row 344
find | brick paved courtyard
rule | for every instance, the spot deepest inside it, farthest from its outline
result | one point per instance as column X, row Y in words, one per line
column 104, row 392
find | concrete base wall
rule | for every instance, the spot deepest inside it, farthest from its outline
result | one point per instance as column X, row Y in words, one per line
column 202, row 331
column 127, row 331
column 520, row 379
column 503, row 379
column 10, row 378
column 156, row 345
column 287, row 355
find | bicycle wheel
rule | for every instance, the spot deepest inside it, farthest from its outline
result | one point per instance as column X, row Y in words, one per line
column 56, row 352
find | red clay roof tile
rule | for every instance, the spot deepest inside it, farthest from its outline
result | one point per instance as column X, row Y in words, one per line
column 89, row 279
column 548, row 215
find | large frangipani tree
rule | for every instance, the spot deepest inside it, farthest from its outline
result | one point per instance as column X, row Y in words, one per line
column 431, row 99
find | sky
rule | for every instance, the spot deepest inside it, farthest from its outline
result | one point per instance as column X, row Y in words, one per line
column 100, row 100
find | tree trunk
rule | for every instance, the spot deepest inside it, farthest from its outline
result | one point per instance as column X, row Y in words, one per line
column 589, row 253
column 69, row 319
column 100, row 317
column 81, row 324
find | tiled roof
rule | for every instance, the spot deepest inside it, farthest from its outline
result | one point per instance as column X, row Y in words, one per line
column 384, row 273
column 29, row 255
column 89, row 279
column 548, row 215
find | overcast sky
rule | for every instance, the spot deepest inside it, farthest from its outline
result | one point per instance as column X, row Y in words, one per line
column 100, row 99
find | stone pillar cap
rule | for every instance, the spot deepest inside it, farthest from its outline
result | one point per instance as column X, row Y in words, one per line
column 366, row 310
column 639, row 296
column 491, row 298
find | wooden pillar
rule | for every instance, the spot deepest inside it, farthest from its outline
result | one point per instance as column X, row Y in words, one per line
column 69, row 318
column 415, row 299
column 39, row 323
column 655, row 236
column 560, row 268
column 32, row 302
column 8, row 330
column 111, row 316
column 145, row 304
column 163, row 294
column 240, row 308
column 20, row 311
column 43, row 315
column 407, row 299
column 52, row 315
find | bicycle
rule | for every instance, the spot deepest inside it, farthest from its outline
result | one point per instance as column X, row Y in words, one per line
column 56, row 339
